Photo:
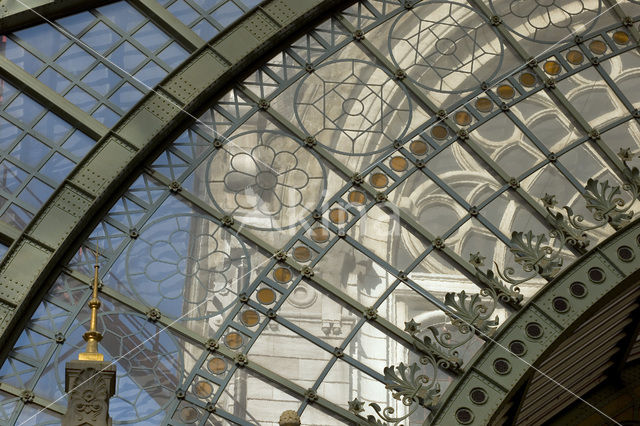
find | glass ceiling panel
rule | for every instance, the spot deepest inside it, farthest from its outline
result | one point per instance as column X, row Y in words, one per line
column 102, row 60
column 344, row 203
column 208, row 17
column 38, row 149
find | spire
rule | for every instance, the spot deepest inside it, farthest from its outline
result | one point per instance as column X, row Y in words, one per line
column 93, row 336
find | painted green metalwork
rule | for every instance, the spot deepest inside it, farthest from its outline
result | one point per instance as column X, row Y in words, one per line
column 541, row 327
column 169, row 23
column 32, row 258
column 95, row 183
column 222, row 350
column 37, row 400
column 51, row 100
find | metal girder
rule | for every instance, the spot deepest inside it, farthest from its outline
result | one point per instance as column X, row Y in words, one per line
column 169, row 23
column 37, row 400
column 193, row 336
column 51, row 99
column 8, row 233
column 66, row 217
column 552, row 326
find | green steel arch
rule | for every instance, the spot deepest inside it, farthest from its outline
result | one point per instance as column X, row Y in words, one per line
column 36, row 255
column 618, row 276
column 62, row 222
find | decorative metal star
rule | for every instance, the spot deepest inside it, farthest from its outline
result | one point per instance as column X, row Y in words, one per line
column 625, row 154
column 476, row 259
column 549, row 200
column 356, row 406
column 411, row 327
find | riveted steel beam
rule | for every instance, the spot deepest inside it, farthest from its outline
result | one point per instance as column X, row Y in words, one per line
column 51, row 99
column 541, row 328
column 67, row 216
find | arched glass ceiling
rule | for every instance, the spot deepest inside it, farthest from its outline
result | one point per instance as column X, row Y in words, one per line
column 102, row 61
column 331, row 207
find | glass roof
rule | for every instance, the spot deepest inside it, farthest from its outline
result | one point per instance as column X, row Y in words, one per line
column 318, row 218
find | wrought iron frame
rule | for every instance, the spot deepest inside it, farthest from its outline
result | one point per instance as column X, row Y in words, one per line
column 37, row 254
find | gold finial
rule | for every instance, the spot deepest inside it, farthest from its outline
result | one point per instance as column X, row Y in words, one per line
column 93, row 336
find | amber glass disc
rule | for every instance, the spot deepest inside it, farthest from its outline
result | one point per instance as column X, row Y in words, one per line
column 357, row 198
column 217, row 365
column 266, row 296
column 338, row 216
column 399, row 164
column 462, row 118
column 233, row 340
column 575, row 57
column 203, row 389
column 320, row 235
column 379, row 180
column 598, row 47
column 301, row 254
column 439, row 132
column 250, row 318
column 552, row 68
column 188, row 414
column 282, row 275
column 506, row 91
column 484, row 105
column 527, row 79
column 620, row 37
column 418, row 147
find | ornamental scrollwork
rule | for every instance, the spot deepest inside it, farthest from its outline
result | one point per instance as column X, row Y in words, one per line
column 409, row 385
column 470, row 314
column 534, row 255
column 563, row 228
column 603, row 201
column 537, row 256
column 504, row 293
column 606, row 205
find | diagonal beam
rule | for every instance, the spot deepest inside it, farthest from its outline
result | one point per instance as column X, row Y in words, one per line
column 51, row 99
column 187, row 333
column 170, row 24
column 554, row 93
column 426, row 102
column 271, row 251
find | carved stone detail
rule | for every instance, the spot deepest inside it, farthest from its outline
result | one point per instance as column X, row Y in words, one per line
column 89, row 386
